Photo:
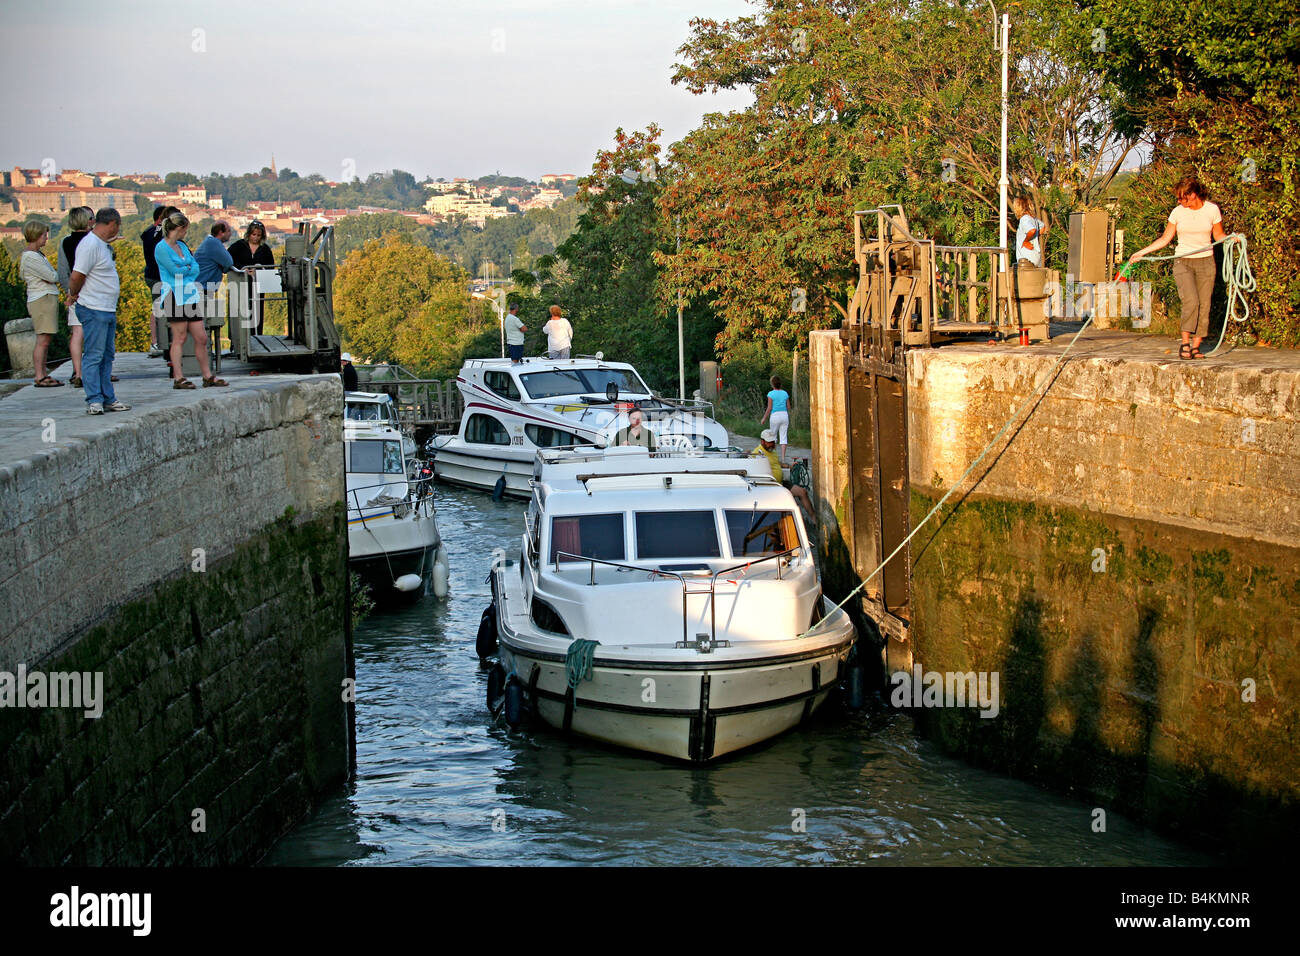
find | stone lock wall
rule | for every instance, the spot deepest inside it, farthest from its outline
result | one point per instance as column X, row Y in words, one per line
column 1128, row 562
column 219, row 625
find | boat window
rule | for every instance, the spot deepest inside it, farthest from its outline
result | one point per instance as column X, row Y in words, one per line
column 676, row 534
column 486, row 430
column 592, row 536
column 502, row 383
column 552, row 383
column 365, row 412
column 757, row 534
column 544, row 436
column 375, row 457
column 628, row 382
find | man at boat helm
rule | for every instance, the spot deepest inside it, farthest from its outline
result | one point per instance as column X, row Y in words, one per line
column 767, row 448
column 635, row 433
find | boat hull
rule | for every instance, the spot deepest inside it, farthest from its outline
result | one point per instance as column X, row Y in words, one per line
column 482, row 472
column 676, row 702
column 385, row 551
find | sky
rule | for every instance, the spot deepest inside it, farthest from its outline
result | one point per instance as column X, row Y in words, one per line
column 440, row 88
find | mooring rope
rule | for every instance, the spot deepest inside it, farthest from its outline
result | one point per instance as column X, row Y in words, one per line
column 577, row 664
column 1237, row 275
column 973, row 465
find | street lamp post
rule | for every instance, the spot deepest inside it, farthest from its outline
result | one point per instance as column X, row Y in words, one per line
column 498, row 304
column 1003, row 181
column 681, row 348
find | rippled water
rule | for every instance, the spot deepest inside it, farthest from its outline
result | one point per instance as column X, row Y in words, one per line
column 434, row 773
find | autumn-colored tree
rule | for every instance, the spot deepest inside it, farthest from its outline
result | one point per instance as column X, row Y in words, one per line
column 134, row 301
column 859, row 105
column 396, row 301
column 615, row 293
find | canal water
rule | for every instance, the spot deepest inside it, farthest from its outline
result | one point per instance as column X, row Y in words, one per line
column 438, row 782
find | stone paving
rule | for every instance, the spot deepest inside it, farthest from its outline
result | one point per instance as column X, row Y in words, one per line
column 27, row 413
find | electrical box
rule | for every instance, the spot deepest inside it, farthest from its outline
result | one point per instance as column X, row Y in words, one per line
column 1092, row 246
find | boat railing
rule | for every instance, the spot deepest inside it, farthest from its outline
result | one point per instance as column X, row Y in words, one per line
column 418, row 491
column 686, row 591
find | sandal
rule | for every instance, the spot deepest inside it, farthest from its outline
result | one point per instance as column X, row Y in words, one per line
column 182, row 383
column 214, row 382
column 1184, row 351
column 75, row 381
column 1196, row 353
column 48, row 382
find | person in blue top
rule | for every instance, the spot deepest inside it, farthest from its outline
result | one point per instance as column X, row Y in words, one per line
column 182, row 301
column 1029, row 234
column 778, row 406
column 214, row 261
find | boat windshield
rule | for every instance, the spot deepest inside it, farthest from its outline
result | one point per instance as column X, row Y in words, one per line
column 592, row 536
column 375, row 457
column 757, row 534
column 581, row 381
column 366, row 412
column 676, row 534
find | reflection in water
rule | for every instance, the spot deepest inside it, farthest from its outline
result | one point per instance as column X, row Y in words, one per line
column 434, row 773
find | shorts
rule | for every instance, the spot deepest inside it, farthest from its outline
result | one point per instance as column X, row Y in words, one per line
column 73, row 321
column 516, row 352
column 780, row 425
column 558, row 353
column 45, row 314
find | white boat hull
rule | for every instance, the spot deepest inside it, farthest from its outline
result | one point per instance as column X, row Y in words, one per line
column 383, row 548
column 482, row 472
column 673, row 701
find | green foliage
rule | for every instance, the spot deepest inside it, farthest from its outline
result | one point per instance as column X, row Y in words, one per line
column 1215, row 87
column 613, row 289
column 399, row 302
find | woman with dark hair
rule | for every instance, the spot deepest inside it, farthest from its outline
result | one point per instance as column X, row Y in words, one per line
column 252, row 250
column 79, row 218
column 182, row 300
column 1197, row 223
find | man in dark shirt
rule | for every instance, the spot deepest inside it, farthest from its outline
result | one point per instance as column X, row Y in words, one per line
column 349, row 373
column 149, row 240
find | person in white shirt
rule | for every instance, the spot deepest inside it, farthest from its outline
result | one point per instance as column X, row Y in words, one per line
column 559, row 335
column 515, row 330
column 1029, row 234
column 1197, row 223
column 42, row 297
column 93, row 289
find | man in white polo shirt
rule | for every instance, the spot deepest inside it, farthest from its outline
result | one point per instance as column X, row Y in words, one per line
column 93, row 287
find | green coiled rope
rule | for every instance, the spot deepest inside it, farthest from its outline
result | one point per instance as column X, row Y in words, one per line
column 577, row 664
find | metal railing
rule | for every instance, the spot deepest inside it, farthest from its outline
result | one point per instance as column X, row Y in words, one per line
column 908, row 286
column 418, row 401
column 419, row 498
column 681, row 579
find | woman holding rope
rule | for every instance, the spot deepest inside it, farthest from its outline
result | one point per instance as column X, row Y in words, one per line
column 1197, row 223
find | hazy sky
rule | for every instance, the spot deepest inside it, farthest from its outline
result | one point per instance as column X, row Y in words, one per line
column 440, row 88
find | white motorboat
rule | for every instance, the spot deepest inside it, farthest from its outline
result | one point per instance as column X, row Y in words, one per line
column 393, row 540
column 512, row 410
column 663, row 602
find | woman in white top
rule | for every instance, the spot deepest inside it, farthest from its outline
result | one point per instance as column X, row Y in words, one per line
column 42, row 297
column 559, row 335
column 1196, row 222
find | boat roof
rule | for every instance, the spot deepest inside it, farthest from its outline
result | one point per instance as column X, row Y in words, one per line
column 682, row 480
column 541, row 363
column 360, row 398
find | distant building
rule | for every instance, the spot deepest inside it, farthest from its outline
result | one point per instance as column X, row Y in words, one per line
column 193, row 194
column 555, row 179
column 56, row 199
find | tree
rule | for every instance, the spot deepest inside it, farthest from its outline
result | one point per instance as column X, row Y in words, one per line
column 859, row 105
column 391, row 294
column 615, row 291
column 1215, row 87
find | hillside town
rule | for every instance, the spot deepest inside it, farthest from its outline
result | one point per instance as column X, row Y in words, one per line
column 51, row 192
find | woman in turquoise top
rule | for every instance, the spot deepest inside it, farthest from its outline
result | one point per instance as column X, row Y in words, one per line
column 181, row 300
column 778, row 406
